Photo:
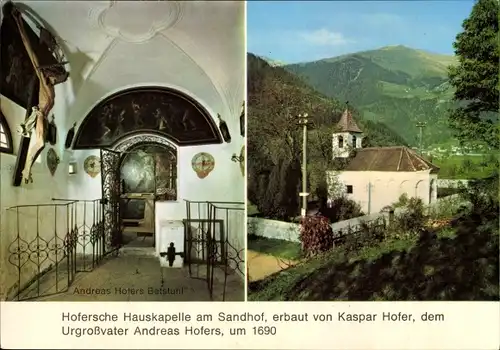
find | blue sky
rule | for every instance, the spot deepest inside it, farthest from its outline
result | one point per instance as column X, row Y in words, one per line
column 298, row 31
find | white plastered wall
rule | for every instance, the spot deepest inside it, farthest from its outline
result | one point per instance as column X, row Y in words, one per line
column 45, row 187
column 374, row 190
column 348, row 144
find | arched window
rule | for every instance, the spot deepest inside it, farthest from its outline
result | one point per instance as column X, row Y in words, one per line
column 341, row 142
column 354, row 140
column 5, row 136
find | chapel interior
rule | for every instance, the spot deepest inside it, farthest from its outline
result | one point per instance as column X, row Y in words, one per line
column 122, row 150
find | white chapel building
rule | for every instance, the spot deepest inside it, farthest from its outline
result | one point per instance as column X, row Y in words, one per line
column 376, row 177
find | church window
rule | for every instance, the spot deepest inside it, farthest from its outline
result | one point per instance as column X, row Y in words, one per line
column 5, row 136
column 354, row 140
column 349, row 189
column 341, row 142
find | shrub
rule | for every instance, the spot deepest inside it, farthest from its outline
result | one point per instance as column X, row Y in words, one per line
column 367, row 234
column 446, row 208
column 410, row 221
column 483, row 194
column 342, row 208
column 402, row 201
column 316, row 235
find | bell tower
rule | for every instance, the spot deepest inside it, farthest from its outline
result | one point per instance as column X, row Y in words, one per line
column 347, row 135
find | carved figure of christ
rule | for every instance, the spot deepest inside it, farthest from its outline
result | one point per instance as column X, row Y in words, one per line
column 45, row 101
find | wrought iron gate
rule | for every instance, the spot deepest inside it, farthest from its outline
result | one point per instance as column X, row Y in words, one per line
column 203, row 241
column 208, row 253
column 230, row 250
column 110, row 179
column 53, row 242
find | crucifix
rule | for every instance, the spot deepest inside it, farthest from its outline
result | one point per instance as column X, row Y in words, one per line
column 47, row 77
column 25, row 140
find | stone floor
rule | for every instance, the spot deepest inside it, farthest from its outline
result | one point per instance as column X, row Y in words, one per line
column 135, row 275
column 131, row 239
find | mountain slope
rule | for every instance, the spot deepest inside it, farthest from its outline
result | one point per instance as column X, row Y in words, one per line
column 273, row 63
column 394, row 85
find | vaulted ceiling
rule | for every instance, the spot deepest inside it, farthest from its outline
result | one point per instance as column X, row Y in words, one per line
column 197, row 47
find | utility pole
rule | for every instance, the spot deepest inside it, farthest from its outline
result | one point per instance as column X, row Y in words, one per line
column 421, row 126
column 369, row 197
column 304, row 121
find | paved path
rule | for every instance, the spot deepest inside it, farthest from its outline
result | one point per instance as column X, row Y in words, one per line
column 262, row 265
column 138, row 278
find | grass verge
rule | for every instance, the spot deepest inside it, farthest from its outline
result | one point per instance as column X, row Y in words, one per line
column 275, row 247
column 455, row 264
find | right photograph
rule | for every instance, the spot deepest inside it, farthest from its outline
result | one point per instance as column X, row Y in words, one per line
column 372, row 151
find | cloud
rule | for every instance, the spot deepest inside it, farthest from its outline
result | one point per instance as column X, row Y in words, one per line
column 324, row 37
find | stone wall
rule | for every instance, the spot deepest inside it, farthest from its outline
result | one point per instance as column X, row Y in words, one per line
column 447, row 183
column 289, row 231
column 274, row 229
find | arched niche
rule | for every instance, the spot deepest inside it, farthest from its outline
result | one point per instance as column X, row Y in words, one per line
column 5, row 136
column 341, row 141
column 154, row 110
column 420, row 189
column 148, row 164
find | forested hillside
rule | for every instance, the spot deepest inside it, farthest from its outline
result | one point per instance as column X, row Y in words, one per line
column 395, row 85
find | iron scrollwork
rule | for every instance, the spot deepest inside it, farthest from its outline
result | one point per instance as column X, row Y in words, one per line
column 56, row 254
column 110, row 162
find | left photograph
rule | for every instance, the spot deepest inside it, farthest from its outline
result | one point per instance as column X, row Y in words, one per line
column 122, row 151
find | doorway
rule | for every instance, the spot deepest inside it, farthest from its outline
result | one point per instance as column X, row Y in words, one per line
column 134, row 177
column 148, row 173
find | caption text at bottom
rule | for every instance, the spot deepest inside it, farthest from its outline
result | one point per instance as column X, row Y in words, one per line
column 185, row 324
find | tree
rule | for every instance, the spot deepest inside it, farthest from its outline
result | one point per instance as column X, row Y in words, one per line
column 475, row 78
column 289, row 196
column 270, row 204
column 261, row 193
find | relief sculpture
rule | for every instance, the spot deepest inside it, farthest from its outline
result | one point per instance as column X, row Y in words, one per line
column 161, row 121
column 156, row 110
column 136, row 110
column 92, row 166
column 203, row 163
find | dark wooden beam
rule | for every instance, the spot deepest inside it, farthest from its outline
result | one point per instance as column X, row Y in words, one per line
column 24, row 144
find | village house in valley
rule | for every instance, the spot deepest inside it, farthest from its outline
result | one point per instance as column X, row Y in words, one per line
column 376, row 177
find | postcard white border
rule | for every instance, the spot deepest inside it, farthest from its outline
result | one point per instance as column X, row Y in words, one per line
column 466, row 325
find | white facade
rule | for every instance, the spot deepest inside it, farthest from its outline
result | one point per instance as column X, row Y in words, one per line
column 374, row 190
column 344, row 142
column 197, row 48
column 376, row 177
